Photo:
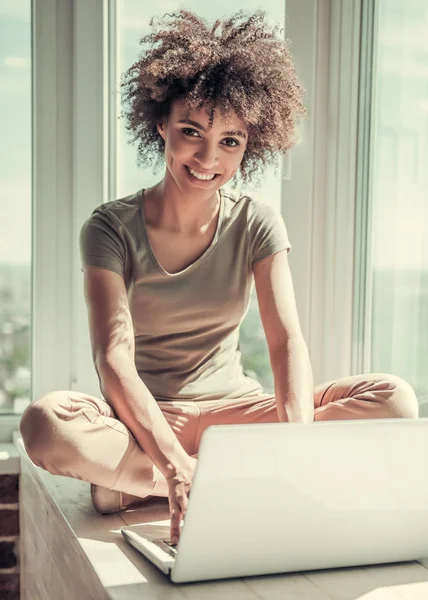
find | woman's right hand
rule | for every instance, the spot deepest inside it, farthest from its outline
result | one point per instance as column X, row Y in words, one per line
column 178, row 495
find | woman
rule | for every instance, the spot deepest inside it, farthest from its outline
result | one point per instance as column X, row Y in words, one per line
column 168, row 273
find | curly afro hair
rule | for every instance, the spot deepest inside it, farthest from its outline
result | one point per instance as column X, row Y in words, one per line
column 238, row 64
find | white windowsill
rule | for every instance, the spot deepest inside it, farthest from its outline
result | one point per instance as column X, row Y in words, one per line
column 95, row 561
column 9, row 423
column 10, row 462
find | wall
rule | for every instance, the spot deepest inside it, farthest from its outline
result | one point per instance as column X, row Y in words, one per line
column 9, row 536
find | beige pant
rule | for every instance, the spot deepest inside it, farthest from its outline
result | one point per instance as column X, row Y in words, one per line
column 77, row 435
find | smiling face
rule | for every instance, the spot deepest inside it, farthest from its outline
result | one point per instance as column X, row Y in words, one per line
column 199, row 157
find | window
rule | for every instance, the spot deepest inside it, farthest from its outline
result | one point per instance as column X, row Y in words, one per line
column 397, row 248
column 15, row 205
column 385, row 291
column 132, row 22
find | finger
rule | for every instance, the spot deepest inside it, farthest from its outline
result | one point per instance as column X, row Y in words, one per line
column 184, row 505
column 175, row 523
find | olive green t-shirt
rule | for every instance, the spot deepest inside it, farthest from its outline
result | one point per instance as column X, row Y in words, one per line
column 186, row 324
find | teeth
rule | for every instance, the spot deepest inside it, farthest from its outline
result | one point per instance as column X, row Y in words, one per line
column 201, row 175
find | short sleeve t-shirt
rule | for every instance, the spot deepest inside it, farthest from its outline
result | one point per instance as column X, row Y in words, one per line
column 186, row 324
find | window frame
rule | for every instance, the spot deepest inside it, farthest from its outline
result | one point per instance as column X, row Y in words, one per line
column 319, row 200
column 52, row 182
column 362, row 324
column 91, row 128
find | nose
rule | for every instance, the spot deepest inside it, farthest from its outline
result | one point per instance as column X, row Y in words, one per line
column 207, row 156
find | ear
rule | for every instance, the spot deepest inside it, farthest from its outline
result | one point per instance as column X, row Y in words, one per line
column 161, row 129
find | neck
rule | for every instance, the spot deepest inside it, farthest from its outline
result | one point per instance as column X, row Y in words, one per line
column 171, row 209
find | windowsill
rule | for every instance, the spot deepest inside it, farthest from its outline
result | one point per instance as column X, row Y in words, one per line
column 84, row 551
column 10, row 462
column 9, row 423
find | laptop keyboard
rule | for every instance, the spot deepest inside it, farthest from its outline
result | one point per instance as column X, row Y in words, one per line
column 167, row 547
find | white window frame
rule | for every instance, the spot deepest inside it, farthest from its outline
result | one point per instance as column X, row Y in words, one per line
column 52, row 60
column 71, row 177
column 319, row 196
column 363, row 267
column 91, row 147
column 52, row 202
column 70, row 125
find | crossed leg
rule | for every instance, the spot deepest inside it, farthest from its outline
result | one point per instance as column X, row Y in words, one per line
column 77, row 435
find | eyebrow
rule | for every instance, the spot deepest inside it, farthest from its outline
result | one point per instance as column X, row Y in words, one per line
column 237, row 132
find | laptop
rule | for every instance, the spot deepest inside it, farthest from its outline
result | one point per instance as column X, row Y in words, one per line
column 282, row 497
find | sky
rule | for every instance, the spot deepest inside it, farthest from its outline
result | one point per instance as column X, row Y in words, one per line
column 15, row 131
column 399, row 141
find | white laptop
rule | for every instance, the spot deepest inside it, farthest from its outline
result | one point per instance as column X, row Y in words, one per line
column 276, row 498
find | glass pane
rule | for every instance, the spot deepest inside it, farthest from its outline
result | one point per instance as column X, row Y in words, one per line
column 15, row 204
column 133, row 23
column 399, row 325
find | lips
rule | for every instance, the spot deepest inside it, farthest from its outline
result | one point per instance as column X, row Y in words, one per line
column 201, row 173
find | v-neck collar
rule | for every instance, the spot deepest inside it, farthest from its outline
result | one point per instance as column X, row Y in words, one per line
column 198, row 260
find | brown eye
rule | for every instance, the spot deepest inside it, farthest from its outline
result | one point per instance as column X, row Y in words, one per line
column 234, row 142
column 189, row 131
